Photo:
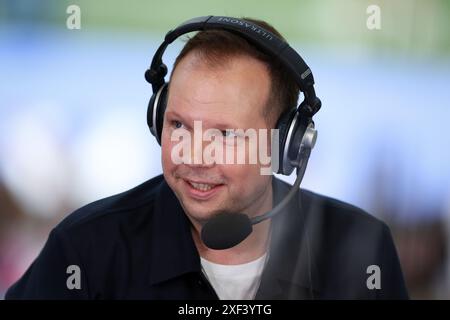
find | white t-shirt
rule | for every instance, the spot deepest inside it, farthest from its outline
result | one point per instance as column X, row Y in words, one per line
column 235, row 282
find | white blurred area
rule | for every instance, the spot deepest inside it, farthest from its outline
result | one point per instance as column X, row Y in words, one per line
column 113, row 155
column 35, row 166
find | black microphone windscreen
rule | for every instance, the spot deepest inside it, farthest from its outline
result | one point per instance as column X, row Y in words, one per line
column 226, row 230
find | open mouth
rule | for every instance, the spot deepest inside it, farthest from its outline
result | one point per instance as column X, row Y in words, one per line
column 202, row 189
column 201, row 186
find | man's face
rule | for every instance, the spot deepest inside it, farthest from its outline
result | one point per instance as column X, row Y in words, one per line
column 231, row 96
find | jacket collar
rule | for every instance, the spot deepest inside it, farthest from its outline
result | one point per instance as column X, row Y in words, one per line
column 173, row 252
column 289, row 273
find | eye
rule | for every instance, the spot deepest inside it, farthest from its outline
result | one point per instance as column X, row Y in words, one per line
column 177, row 124
column 228, row 133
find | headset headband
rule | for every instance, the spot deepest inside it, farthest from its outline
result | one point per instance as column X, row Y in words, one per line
column 260, row 37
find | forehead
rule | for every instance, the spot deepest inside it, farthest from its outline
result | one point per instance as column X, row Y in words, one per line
column 234, row 92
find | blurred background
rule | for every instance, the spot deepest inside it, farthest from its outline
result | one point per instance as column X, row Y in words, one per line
column 73, row 113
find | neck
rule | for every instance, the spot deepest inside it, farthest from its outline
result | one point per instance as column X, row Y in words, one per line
column 253, row 247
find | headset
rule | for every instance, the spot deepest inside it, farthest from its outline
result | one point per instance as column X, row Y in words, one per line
column 297, row 135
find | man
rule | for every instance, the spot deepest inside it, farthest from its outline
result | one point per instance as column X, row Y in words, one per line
column 146, row 243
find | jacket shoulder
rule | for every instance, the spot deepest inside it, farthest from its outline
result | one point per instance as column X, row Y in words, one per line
column 111, row 207
column 350, row 242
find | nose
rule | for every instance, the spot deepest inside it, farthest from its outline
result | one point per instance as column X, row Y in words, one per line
column 200, row 157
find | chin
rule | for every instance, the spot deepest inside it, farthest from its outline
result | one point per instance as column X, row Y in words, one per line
column 200, row 212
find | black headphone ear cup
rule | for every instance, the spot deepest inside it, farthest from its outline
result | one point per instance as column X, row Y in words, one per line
column 283, row 124
column 155, row 112
column 161, row 109
column 150, row 113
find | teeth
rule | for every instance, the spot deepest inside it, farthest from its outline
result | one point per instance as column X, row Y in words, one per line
column 201, row 186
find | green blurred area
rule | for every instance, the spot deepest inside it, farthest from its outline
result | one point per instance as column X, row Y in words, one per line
column 407, row 26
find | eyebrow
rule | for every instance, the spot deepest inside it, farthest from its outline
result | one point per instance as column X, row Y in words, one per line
column 189, row 119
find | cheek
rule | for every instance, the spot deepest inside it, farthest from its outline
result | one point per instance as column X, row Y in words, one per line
column 166, row 150
column 165, row 154
column 244, row 179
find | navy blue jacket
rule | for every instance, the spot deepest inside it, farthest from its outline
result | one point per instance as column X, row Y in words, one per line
column 138, row 245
